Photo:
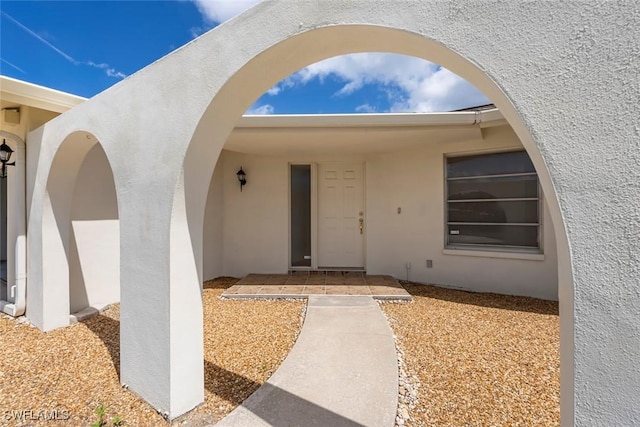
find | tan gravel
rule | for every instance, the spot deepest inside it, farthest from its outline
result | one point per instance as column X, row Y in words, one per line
column 474, row 360
column 479, row 359
column 75, row 369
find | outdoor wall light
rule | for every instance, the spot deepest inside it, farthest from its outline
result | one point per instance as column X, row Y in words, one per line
column 242, row 177
column 5, row 155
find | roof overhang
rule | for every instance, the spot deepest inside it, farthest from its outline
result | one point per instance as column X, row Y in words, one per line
column 485, row 118
column 28, row 94
column 356, row 134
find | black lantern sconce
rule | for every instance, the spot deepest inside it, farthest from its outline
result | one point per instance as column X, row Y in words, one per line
column 242, row 177
column 5, row 155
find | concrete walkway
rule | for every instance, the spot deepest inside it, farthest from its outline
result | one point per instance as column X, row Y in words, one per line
column 342, row 371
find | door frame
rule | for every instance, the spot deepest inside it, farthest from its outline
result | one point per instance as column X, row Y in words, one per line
column 315, row 201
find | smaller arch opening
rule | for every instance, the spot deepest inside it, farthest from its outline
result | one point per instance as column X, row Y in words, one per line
column 81, row 234
column 95, row 261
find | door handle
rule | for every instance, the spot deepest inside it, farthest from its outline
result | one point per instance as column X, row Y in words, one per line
column 361, row 221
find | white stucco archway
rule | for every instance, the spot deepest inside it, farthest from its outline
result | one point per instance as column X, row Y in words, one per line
column 564, row 77
column 249, row 82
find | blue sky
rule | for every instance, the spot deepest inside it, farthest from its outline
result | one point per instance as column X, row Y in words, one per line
column 84, row 47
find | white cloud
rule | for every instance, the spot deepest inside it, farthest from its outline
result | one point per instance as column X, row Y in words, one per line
column 109, row 71
column 261, row 110
column 366, row 108
column 197, row 31
column 222, row 10
column 117, row 74
column 442, row 91
column 274, row 90
column 409, row 83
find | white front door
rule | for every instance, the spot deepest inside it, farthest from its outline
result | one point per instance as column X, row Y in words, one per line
column 341, row 215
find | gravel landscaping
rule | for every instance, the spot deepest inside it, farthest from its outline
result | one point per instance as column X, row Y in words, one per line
column 74, row 370
column 466, row 359
column 477, row 359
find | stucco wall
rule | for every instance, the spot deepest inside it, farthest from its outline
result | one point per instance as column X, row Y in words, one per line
column 19, row 129
column 30, row 118
column 94, row 241
column 255, row 236
column 414, row 181
column 212, row 243
column 37, row 117
column 256, row 229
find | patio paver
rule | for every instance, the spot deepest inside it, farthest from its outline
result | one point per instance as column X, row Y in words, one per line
column 302, row 284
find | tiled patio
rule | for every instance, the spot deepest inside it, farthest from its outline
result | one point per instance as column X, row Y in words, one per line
column 303, row 284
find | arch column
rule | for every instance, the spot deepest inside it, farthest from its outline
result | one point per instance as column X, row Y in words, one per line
column 49, row 235
column 161, row 317
column 161, row 350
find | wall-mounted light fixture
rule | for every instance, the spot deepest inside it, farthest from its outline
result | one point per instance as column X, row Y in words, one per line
column 242, row 177
column 5, row 155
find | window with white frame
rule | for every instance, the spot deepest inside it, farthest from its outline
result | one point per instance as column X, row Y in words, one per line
column 493, row 201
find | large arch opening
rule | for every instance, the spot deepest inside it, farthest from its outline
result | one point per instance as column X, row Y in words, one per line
column 284, row 58
column 80, row 233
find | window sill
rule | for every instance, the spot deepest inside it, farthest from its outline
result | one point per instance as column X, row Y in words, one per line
column 529, row 256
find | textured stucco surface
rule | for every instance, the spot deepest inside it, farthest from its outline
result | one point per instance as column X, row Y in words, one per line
column 94, row 236
column 563, row 74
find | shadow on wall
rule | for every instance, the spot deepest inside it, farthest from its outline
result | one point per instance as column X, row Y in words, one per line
column 81, row 230
column 94, row 249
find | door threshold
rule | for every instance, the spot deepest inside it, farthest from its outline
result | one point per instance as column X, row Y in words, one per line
column 321, row 270
column 341, row 269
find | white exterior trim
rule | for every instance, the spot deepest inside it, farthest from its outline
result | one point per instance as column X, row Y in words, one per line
column 369, row 120
column 484, row 253
column 33, row 95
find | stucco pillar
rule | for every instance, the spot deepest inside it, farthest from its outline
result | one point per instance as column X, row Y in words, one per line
column 49, row 233
column 161, row 342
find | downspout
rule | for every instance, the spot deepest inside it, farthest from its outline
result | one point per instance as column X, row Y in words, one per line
column 20, row 288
